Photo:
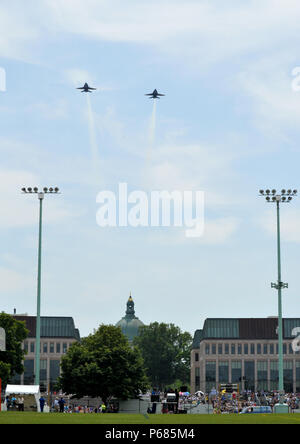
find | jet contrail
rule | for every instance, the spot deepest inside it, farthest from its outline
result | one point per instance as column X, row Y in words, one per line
column 93, row 141
column 152, row 131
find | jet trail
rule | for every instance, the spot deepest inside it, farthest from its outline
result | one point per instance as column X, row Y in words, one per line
column 152, row 133
column 93, row 141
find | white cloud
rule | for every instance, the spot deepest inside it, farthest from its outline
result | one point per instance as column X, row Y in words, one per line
column 268, row 83
column 209, row 29
column 51, row 111
column 78, row 77
column 217, row 231
column 13, row 281
column 190, row 166
column 289, row 224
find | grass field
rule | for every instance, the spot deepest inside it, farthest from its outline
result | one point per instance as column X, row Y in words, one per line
column 56, row 418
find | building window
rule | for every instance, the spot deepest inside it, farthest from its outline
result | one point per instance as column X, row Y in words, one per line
column 250, row 375
column 284, row 349
column 252, row 349
column 291, row 351
column 45, row 347
column 246, row 349
column 297, row 376
column 288, row 376
column 207, row 349
column 236, row 372
column 265, row 349
column 258, row 349
column 43, row 370
column 54, row 372
column 51, row 347
column 220, row 349
column 240, row 349
column 65, row 348
column 32, row 347
column 58, row 347
column 271, row 349
column 26, row 347
column 213, row 349
column 15, row 379
column 210, row 375
column 274, row 375
column 196, row 357
column 226, row 349
column 197, row 378
column 43, row 374
column 28, row 371
column 223, row 372
column 262, row 375
column 233, row 349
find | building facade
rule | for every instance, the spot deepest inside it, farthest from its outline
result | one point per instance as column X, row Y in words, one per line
column 57, row 335
column 244, row 352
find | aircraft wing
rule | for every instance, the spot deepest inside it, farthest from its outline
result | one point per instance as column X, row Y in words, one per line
column 94, row 89
column 161, row 94
column 149, row 94
column 79, row 88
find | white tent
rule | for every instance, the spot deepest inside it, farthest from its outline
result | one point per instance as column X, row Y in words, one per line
column 24, row 390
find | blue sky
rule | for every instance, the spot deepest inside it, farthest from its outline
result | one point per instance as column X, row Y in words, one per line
column 228, row 126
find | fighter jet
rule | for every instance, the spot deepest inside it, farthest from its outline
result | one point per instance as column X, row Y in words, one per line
column 86, row 88
column 154, row 95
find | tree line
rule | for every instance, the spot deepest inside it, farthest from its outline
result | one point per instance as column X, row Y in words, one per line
column 105, row 364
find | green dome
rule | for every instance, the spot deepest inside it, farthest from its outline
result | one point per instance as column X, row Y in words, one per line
column 130, row 324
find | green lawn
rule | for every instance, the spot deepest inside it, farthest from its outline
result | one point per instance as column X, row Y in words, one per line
column 56, row 418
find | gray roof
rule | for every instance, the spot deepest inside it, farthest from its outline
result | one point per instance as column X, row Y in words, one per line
column 51, row 327
column 244, row 329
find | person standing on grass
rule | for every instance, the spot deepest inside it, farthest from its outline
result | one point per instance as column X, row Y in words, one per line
column 42, row 403
column 56, row 405
column 61, row 403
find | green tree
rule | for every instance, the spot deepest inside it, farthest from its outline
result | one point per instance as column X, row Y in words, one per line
column 166, row 353
column 11, row 361
column 103, row 365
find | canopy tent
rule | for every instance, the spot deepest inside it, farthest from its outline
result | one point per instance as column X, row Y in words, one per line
column 22, row 390
column 25, row 390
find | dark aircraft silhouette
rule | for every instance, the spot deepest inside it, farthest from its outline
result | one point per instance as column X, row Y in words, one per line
column 86, row 88
column 154, row 95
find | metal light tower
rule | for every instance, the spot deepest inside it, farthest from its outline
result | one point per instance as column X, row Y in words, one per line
column 41, row 195
column 285, row 196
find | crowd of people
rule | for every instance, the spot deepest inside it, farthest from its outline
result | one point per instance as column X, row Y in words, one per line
column 13, row 403
column 183, row 402
column 234, row 403
column 64, row 406
column 172, row 402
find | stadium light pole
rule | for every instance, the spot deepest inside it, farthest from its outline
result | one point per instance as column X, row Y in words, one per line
column 286, row 196
column 41, row 196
